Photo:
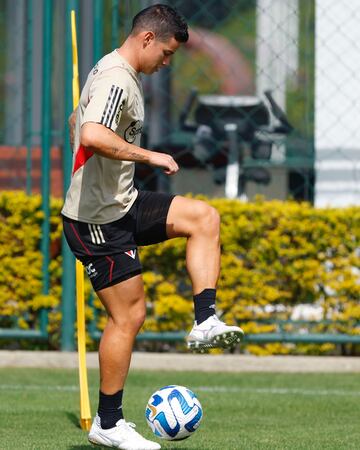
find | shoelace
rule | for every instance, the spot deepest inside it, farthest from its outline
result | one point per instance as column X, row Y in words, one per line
column 129, row 427
column 217, row 320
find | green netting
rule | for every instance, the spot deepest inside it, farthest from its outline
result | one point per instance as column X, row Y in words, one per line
column 238, row 48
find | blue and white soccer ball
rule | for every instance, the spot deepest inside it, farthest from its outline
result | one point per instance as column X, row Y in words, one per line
column 173, row 413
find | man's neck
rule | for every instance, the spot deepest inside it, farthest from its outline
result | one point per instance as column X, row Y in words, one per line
column 129, row 53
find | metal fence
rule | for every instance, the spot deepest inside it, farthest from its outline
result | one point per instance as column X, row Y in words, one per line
column 262, row 99
column 303, row 54
column 238, row 51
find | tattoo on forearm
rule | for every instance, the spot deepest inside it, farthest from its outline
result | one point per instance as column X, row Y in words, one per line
column 132, row 156
column 137, row 156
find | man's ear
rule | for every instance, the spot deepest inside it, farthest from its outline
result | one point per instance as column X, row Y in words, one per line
column 149, row 36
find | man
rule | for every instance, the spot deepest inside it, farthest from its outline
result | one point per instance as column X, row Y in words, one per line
column 106, row 218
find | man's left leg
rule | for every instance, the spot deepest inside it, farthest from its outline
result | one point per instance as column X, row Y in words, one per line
column 200, row 224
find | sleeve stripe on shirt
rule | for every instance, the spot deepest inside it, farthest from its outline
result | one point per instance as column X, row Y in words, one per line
column 116, row 108
column 107, row 105
column 111, row 106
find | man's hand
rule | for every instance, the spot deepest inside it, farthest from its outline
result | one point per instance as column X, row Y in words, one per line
column 165, row 161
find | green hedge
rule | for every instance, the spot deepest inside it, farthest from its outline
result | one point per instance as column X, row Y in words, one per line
column 275, row 255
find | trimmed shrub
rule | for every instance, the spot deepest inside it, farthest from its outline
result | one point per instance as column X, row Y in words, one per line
column 275, row 257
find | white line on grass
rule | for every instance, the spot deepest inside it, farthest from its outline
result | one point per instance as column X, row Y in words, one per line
column 277, row 391
column 37, row 387
column 221, row 389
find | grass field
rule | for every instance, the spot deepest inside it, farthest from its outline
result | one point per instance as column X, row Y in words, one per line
column 39, row 409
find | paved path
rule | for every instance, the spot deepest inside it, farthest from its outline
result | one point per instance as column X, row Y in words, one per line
column 186, row 362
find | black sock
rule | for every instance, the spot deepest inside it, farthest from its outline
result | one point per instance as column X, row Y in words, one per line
column 110, row 409
column 204, row 304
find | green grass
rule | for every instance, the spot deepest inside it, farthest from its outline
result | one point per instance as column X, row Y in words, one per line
column 39, row 409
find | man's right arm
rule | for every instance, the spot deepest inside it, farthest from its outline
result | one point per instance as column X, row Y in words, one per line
column 108, row 144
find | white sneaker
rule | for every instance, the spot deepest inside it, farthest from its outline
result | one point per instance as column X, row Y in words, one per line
column 122, row 436
column 212, row 333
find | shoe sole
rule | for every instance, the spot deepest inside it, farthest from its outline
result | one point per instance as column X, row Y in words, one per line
column 95, row 444
column 98, row 445
column 225, row 340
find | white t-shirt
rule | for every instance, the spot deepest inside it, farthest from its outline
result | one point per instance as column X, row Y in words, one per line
column 102, row 189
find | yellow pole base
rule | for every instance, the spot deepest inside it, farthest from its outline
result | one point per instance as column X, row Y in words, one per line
column 85, row 424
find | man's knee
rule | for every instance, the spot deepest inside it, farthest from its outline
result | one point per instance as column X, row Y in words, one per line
column 208, row 218
column 187, row 217
column 140, row 317
column 137, row 316
column 131, row 320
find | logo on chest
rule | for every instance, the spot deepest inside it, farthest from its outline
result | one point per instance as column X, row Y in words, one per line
column 132, row 130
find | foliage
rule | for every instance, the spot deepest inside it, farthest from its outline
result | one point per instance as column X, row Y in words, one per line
column 21, row 293
column 275, row 257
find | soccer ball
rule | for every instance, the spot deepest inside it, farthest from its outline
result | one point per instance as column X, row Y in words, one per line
column 173, row 412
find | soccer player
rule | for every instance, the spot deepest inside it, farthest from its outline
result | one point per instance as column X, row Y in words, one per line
column 106, row 218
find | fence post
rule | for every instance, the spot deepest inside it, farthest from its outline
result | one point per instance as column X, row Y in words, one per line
column 45, row 156
column 98, row 30
column 114, row 24
column 29, row 99
column 68, row 276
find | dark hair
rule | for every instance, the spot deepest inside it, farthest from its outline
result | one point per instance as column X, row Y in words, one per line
column 165, row 22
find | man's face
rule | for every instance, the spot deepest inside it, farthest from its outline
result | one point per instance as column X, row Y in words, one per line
column 157, row 54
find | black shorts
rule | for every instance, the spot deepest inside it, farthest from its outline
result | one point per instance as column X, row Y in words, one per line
column 109, row 251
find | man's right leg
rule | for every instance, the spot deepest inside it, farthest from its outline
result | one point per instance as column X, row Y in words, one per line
column 200, row 224
column 125, row 305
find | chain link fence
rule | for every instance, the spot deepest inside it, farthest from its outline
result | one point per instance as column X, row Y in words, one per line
column 237, row 105
column 261, row 99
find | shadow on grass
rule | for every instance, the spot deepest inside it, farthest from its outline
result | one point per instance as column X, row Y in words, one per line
column 178, row 448
column 74, row 419
column 84, row 447
column 87, row 447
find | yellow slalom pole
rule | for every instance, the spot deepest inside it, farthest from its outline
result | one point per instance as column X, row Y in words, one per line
column 85, row 414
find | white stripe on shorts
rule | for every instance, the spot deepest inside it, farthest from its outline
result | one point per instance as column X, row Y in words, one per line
column 91, row 234
column 102, row 240
column 96, row 234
